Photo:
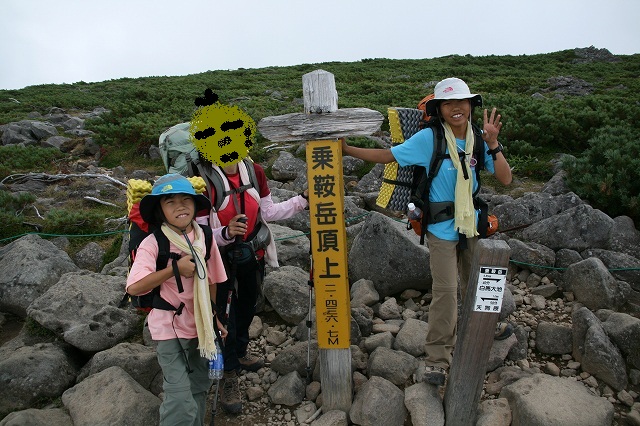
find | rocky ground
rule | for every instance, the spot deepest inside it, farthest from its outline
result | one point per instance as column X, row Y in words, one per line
column 258, row 410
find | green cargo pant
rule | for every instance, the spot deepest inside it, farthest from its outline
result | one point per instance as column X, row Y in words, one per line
column 445, row 263
column 185, row 393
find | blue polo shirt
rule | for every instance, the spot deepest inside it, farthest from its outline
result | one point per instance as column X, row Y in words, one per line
column 417, row 150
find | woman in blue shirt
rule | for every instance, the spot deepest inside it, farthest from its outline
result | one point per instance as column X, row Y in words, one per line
column 453, row 104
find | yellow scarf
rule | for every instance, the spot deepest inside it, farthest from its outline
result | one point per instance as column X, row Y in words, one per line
column 465, row 215
column 201, row 297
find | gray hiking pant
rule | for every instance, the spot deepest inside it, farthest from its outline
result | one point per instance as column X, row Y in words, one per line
column 185, row 393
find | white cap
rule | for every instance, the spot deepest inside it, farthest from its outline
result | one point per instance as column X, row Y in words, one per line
column 411, row 206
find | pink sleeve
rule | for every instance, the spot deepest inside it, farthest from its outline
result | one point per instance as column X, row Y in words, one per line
column 282, row 210
column 145, row 261
column 215, row 267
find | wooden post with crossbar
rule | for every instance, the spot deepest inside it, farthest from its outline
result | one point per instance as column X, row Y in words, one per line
column 480, row 312
column 321, row 124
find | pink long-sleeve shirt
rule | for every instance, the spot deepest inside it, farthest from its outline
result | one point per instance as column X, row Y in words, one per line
column 164, row 325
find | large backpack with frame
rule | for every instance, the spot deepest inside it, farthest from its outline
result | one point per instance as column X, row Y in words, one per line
column 139, row 230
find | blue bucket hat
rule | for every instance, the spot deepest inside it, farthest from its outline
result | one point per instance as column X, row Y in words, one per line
column 172, row 183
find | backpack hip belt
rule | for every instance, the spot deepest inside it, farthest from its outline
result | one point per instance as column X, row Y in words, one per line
column 440, row 211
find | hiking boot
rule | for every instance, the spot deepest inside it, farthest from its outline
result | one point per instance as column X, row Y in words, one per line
column 435, row 375
column 251, row 362
column 230, row 397
column 503, row 330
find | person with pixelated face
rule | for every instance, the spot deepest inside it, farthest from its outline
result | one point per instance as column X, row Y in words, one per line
column 223, row 136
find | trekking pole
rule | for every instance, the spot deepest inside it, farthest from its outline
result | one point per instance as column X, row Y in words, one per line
column 309, row 322
column 234, row 268
column 215, row 404
column 215, row 399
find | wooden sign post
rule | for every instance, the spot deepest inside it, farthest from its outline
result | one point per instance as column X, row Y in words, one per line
column 321, row 124
column 480, row 312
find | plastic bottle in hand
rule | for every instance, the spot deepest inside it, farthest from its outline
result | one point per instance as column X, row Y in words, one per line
column 413, row 212
column 216, row 365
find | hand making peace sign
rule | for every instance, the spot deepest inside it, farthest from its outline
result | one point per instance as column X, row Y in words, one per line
column 491, row 128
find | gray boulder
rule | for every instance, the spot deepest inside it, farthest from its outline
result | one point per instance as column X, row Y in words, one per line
column 363, row 292
column 412, row 337
column 554, row 339
column 533, row 207
column 14, row 134
column 287, row 390
column 139, row 361
column 30, row 373
column 378, row 402
column 532, row 254
column 565, row 402
column 287, row 291
column 370, row 183
column 36, row 417
column 111, row 397
column 624, row 237
column 90, row 257
column 603, row 359
column 29, row 266
column 38, row 129
column 385, row 253
column 595, row 287
column 579, row 228
column 494, row 412
column 82, row 309
column 622, row 266
column 582, row 319
column 395, row 366
column 624, row 331
column 287, row 167
column 292, row 246
column 424, row 404
column 294, row 358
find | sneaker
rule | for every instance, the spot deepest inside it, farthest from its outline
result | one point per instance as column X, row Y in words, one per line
column 435, row 375
column 230, row 397
column 251, row 362
column 503, row 330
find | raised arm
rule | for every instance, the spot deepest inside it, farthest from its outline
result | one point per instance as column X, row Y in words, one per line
column 374, row 155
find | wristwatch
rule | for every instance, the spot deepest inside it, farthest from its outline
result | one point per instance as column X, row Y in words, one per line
column 495, row 150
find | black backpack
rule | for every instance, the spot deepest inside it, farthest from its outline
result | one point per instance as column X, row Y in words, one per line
column 151, row 300
column 421, row 182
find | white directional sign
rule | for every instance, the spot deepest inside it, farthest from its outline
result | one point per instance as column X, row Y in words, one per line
column 491, row 282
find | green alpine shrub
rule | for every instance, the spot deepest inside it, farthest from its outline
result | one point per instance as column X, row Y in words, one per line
column 607, row 174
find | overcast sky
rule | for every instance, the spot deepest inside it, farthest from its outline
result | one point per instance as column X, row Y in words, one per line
column 67, row 41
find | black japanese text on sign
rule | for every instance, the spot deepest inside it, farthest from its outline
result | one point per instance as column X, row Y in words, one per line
column 491, row 282
column 328, row 244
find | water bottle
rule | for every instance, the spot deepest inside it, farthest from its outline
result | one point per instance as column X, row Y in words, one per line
column 413, row 212
column 216, row 365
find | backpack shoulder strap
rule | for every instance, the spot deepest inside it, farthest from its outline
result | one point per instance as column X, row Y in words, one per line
column 208, row 240
column 478, row 154
column 439, row 151
column 164, row 254
column 478, row 147
column 211, row 177
column 251, row 171
column 164, row 251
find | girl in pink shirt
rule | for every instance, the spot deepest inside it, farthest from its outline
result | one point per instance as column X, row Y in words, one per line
column 185, row 336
